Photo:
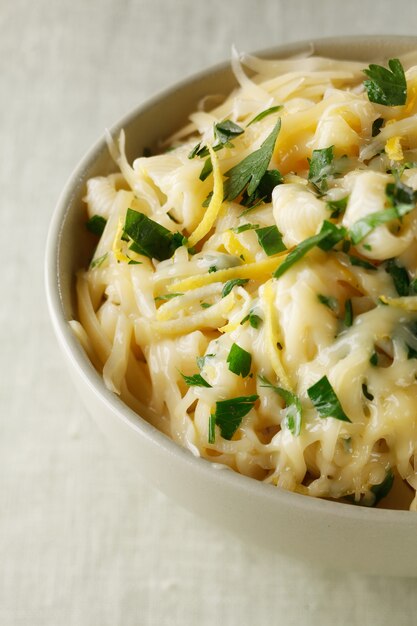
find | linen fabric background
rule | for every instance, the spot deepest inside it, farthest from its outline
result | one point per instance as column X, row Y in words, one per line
column 83, row 541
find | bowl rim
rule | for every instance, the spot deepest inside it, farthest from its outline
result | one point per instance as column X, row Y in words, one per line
column 75, row 354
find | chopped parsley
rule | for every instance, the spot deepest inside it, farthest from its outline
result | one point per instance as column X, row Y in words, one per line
column 244, row 227
column 270, row 239
column 386, row 86
column 167, row 296
column 377, row 125
column 239, row 361
column 265, row 113
column 382, row 489
column 196, row 380
column 212, row 428
column 150, row 238
column 328, row 301
column 229, row 414
column 399, row 276
column 325, row 400
column 294, row 413
column 96, row 225
column 373, row 359
column 253, row 319
column 246, row 175
column 337, row 207
column 348, row 318
column 358, row 262
column 401, row 199
column 326, row 239
column 321, row 166
column 263, row 192
column 98, row 261
column 201, row 360
column 234, row 282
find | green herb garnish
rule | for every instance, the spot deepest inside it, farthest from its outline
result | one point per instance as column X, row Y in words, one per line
column 207, row 169
column 196, row 380
column 246, row 175
column 386, row 86
column 369, row 396
column 399, row 276
column 253, row 319
column 205, row 305
column 234, row 282
column 212, row 428
column 321, row 166
column 98, row 261
column 263, row 192
column 326, row 239
column 294, row 414
column 373, row 359
column 325, row 400
column 265, row 113
column 167, row 296
column 337, row 207
column 270, row 239
column 377, row 125
column 229, row 413
column 382, row 489
column 150, row 238
column 328, row 301
column 96, row 225
column 239, row 361
column 361, row 263
column 227, row 130
column 201, row 360
column 244, row 227
column 348, row 318
column 402, row 200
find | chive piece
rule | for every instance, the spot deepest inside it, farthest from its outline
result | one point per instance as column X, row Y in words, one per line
column 361, row 262
column 382, row 489
column 212, row 269
column 150, row 238
column 265, row 113
column 212, row 428
column 167, row 296
column 325, row 400
column 326, row 239
column 96, row 225
column 244, row 227
column 229, row 413
column 207, row 200
column 270, row 239
column 348, row 319
column 337, row 207
column 386, row 86
column 321, row 166
column 399, row 276
column 234, row 282
column 377, row 125
column 328, row 301
column 247, row 174
column 239, row 361
column 196, row 380
column 293, row 419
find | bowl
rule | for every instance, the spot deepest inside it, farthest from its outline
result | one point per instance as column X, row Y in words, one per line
column 320, row 532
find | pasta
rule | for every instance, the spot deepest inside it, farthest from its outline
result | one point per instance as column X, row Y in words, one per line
column 253, row 290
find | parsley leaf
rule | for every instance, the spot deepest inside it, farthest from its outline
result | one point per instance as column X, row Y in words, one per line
column 243, row 227
column 377, row 125
column 167, row 296
column 248, row 173
column 399, row 276
column 402, row 200
column 227, row 130
column 328, row 301
column 207, row 169
column 253, row 319
column 386, row 86
column 234, row 282
column 382, row 489
column 212, row 428
column 195, row 381
column 239, row 361
column 337, row 207
column 265, row 113
column 96, row 225
column 229, row 413
column 325, row 400
column 270, row 239
column 263, row 192
column 98, row 261
column 321, row 166
column 294, row 414
column 358, row 262
column 326, row 239
column 348, row 319
column 201, row 360
column 150, row 238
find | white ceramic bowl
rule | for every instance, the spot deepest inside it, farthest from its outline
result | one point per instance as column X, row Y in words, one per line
column 321, row 532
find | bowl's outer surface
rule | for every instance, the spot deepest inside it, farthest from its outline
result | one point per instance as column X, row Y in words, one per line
column 320, row 532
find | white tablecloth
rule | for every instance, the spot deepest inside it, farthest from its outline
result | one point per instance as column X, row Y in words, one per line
column 82, row 540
